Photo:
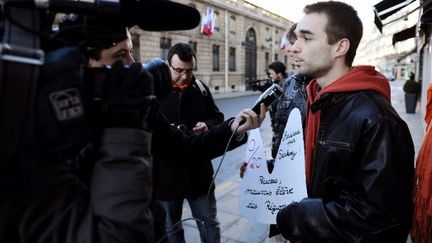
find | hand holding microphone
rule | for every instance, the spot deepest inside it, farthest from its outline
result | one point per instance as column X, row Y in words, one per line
column 252, row 118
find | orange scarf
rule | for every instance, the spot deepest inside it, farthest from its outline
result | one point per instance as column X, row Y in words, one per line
column 421, row 231
column 181, row 86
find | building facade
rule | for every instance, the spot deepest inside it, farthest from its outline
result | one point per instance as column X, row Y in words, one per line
column 395, row 57
column 244, row 40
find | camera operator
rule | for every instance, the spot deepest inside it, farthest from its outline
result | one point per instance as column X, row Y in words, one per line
column 74, row 130
column 45, row 191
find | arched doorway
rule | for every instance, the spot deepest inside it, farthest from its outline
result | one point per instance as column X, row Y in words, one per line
column 250, row 57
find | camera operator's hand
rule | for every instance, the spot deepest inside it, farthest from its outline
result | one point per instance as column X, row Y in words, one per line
column 252, row 120
column 130, row 96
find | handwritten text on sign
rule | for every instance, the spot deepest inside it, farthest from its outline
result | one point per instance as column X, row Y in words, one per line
column 263, row 194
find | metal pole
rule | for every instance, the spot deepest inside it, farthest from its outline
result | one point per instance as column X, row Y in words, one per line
column 272, row 44
column 226, row 50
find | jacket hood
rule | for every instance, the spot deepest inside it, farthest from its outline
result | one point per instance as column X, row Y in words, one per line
column 359, row 78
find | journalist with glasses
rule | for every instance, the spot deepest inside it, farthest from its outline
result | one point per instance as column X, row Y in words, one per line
column 191, row 108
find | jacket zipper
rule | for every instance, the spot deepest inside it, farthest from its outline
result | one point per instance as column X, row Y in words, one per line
column 338, row 144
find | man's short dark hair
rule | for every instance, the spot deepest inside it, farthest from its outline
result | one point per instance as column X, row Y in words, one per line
column 343, row 22
column 291, row 36
column 183, row 50
column 278, row 67
column 92, row 34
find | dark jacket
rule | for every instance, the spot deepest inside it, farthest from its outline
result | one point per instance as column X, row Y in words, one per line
column 362, row 176
column 47, row 203
column 294, row 97
column 41, row 200
column 190, row 177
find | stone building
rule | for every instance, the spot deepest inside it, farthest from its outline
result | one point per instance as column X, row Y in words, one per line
column 245, row 40
column 392, row 40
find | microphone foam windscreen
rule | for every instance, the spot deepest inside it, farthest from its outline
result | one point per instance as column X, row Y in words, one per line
column 159, row 15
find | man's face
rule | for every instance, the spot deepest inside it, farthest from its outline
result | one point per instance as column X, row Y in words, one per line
column 311, row 53
column 288, row 49
column 122, row 50
column 181, row 72
column 274, row 76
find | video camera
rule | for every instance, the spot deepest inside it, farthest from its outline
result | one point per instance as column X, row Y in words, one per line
column 258, row 81
column 256, row 84
column 44, row 96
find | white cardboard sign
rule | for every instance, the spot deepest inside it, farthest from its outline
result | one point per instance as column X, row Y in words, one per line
column 263, row 194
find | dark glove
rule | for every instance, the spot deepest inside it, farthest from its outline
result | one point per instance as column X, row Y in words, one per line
column 285, row 219
column 274, row 230
column 130, row 96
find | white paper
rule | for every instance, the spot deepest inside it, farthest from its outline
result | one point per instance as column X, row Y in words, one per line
column 262, row 194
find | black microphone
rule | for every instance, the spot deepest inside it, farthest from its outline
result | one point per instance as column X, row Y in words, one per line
column 71, row 6
column 269, row 96
column 82, row 6
column 160, row 15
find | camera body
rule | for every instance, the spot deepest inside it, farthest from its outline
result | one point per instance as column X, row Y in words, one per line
column 50, row 98
column 68, row 108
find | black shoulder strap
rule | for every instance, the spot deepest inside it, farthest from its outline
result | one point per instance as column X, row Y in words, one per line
column 20, row 61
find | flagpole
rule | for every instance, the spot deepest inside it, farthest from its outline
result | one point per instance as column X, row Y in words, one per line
column 273, row 44
column 226, row 50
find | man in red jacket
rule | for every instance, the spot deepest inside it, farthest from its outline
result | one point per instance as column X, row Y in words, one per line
column 359, row 152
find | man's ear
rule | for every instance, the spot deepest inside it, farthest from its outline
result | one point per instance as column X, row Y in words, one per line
column 342, row 47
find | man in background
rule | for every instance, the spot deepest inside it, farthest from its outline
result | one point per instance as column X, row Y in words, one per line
column 277, row 75
column 191, row 108
column 294, row 96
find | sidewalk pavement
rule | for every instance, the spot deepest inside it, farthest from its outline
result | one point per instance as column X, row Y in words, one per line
column 234, row 227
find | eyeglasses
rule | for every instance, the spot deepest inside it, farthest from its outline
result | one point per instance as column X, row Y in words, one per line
column 181, row 70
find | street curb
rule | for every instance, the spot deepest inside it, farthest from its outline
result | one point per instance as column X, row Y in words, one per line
column 233, row 94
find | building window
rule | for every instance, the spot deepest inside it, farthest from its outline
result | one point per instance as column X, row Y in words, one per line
column 232, row 25
column 232, row 59
column 267, row 60
column 136, row 54
column 165, row 44
column 216, row 21
column 276, row 57
column 216, row 66
column 194, row 46
column 268, row 36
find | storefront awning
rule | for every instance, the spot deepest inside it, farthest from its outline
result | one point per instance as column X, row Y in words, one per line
column 386, row 8
column 404, row 34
